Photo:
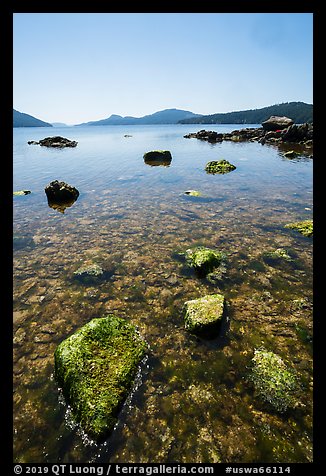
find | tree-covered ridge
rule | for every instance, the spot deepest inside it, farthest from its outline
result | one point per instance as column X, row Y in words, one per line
column 21, row 119
column 299, row 112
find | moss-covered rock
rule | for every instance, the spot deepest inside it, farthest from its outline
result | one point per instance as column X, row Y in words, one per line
column 21, row 193
column 274, row 381
column 192, row 193
column 204, row 260
column 89, row 273
column 204, row 315
column 304, row 227
column 96, row 367
column 219, row 167
column 276, row 256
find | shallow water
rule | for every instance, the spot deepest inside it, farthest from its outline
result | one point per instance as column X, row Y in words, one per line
column 192, row 401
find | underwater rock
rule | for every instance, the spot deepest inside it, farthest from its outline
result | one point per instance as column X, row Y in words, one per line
column 89, row 273
column 158, row 157
column 22, row 241
column 56, row 141
column 304, row 227
column 204, row 315
column 22, row 192
column 273, row 257
column 290, row 154
column 96, row 367
column 219, row 167
column 203, row 260
column 274, row 382
column 210, row 136
column 61, row 193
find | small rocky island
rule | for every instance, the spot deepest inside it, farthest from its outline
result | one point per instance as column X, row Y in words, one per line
column 274, row 130
column 57, row 141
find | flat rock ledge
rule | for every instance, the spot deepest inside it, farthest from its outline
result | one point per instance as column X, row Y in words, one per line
column 57, row 141
column 96, row 367
column 203, row 316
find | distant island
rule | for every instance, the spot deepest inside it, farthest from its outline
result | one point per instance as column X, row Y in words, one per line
column 299, row 112
column 20, row 119
column 167, row 116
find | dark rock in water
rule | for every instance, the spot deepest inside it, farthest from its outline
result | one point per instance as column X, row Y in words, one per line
column 96, row 367
column 298, row 133
column 61, row 193
column 203, row 316
column 219, row 167
column 56, row 141
column 210, row 136
column 158, row 157
column 22, row 192
column 275, row 123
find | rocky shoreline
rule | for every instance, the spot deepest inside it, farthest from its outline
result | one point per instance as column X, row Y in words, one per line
column 275, row 130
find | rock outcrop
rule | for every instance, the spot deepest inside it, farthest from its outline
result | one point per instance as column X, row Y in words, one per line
column 61, row 192
column 96, row 367
column 56, row 141
column 275, row 123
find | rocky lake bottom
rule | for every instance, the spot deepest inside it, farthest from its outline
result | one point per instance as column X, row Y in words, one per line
column 193, row 400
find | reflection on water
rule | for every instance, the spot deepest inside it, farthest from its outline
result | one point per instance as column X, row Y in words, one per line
column 192, row 401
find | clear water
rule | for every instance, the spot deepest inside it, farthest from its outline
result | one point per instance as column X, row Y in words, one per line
column 192, row 401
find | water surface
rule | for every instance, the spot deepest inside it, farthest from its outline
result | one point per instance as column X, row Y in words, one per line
column 192, row 401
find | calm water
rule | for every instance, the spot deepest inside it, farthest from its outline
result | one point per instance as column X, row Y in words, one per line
column 192, row 401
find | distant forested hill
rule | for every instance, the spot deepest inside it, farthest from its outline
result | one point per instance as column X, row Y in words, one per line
column 25, row 120
column 299, row 112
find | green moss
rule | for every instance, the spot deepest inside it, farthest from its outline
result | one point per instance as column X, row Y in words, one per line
column 89, row 273
column 304, row 227
column 95, row 368
column 219, row 167
column 204, row 314
column 274, row 382
column 204, row 260
column 276, row 256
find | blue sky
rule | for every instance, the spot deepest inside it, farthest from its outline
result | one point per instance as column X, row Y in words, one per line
column 79, row 67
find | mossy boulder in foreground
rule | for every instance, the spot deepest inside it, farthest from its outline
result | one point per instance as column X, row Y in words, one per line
column 274, row 382
column 203, row 316
column 304, row 227
column 96, row 367
column 219, row 167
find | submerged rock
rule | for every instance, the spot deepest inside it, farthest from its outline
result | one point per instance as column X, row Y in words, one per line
column 304, row 227
column 290, row 154
column 219, row 167
column 204, row 315
column 96, row 367
column 274, row 382
column 61, row 192
column 158, row 157
column 89, row 273
column 56, row 141
column 275, row 123
column 274, row 257
column 203, row 260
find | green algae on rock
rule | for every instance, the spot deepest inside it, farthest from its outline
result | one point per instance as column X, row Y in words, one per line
column 204, row 315
column 96, row 367
column 21, row 193
column 272, row 257
column 219, row 167
column 192, row 193
column 89, row 273
column 304, row 227
column 203, row 260
column 274, row 382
